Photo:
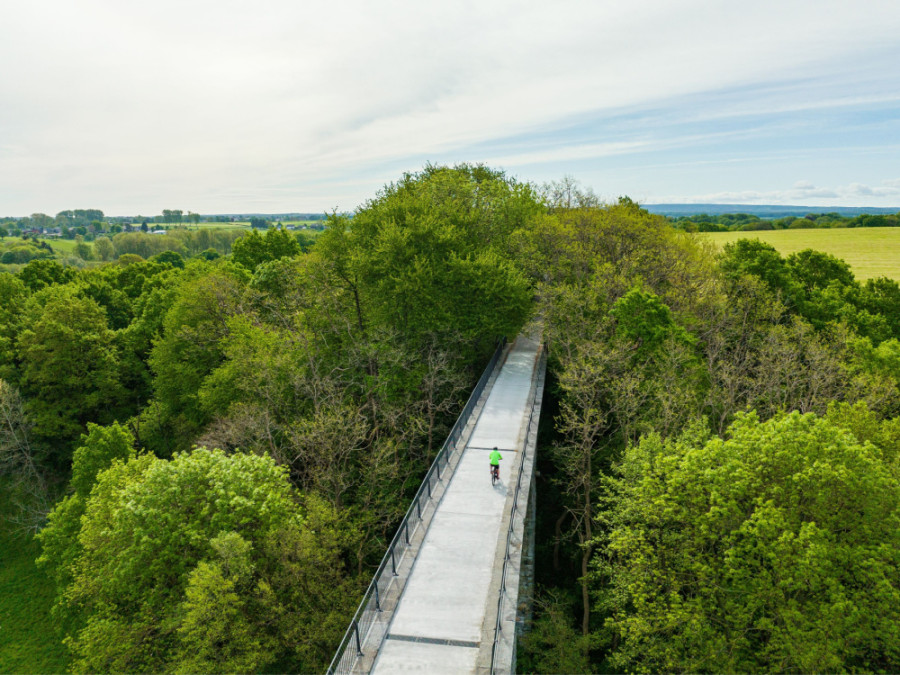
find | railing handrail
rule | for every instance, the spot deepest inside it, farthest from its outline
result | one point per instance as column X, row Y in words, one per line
column 449, row 445
column 515, row 502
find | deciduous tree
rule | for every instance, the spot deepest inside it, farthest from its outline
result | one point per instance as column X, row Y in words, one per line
column 69, row 368
column 775, row 549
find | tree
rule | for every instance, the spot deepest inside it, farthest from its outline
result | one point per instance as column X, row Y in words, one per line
column 568, row 193
column 430, row 255
column 638, row 373
column 104, row 286
column 253, row 249
column 69, row 367
column 41, row 273
column 27, row 488
column 172, row 215
column 104, row 249
column 751, row 256
column 775, row 549
column 816, row 270
column 216, row 634
column 553, row 645
column 249, row 250
column 882, row 296
column 866, row 425
column 100, row 447
column 643, row 320
column 82, row 249
column 191, row 347
column 13, row 294
column 203, row 563
column 40, row 220
column 146, row 245
column 169, row 258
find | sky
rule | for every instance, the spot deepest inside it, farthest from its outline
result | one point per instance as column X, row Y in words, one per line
column 274, row 106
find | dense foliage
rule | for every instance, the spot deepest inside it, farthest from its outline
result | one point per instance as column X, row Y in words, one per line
column 774, row 549
column 745, row 222
column 654, row 338
column 718, row 478
column 325, row 376
column 203, row 563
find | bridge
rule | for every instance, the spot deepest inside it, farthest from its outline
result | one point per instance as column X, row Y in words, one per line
column 446, row 597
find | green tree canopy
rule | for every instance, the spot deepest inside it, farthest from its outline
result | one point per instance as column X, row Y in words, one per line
column 751, row 256
column 776, row 549
column 172, row 258
column 254, row 249
column 98, row 449
column 205, row 563
column 39, row 274
column 430, row 254
column 191, row 347
column 69, row 367
column 13, row 294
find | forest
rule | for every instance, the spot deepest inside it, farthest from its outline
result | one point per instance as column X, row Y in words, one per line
column 746, row 222
column 207, row 451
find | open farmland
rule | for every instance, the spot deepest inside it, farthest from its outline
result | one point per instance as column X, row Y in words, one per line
column 66, row 246
column 870, row 251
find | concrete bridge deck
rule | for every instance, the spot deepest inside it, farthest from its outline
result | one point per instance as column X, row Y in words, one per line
column 445, row 618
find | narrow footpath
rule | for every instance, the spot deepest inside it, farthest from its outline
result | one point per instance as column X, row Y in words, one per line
column 439, row 625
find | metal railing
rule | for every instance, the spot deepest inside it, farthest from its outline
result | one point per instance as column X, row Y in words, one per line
column 533, row 421
column 351, row 646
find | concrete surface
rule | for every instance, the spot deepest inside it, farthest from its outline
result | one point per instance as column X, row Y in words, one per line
column 400, row 656
column 438, row 624
column 501, row 422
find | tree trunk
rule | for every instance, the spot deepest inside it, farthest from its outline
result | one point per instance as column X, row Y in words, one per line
column 586, row 549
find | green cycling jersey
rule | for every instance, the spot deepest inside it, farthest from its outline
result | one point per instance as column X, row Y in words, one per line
column 495, row 457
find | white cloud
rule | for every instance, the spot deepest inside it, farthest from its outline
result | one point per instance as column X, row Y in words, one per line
column 205, row 104
column 802, row 193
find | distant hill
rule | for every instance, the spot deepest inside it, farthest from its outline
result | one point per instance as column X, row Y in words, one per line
column 763, row 210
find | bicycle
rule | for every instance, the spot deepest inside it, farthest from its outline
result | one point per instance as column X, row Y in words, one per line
column 495, row 465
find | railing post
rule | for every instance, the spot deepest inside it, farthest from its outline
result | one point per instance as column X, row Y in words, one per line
column 359, row 651
column 377, row 599
column 419, row 508
column 393, row 563
column 406, row 532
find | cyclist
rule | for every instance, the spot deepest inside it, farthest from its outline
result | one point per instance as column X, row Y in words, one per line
column 495, row 464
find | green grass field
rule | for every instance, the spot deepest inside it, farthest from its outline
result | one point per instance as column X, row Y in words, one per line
column 870, row 251
column 59, row 245
column 29, row 639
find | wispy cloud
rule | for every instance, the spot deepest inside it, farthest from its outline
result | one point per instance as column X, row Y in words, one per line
column 802, row 193
column 206, row 104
